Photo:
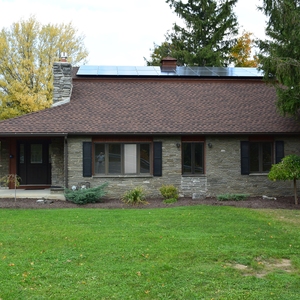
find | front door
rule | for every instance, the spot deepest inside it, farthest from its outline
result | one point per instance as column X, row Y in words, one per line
column 33, row 163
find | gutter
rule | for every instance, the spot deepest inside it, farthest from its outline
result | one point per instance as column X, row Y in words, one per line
column 29, row 134
column 180, row 133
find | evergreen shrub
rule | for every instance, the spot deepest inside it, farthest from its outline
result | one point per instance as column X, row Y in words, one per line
column 234, row 197
column 84, row 196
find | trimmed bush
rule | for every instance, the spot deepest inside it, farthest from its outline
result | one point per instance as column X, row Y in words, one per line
column 169, row 192
column 84, row 196
column 135, row 196
column 234, row 197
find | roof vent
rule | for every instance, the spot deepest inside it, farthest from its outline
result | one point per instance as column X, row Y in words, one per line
column 168, row 64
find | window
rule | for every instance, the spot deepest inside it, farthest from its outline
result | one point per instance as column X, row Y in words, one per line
column 121, row 158
column 22, row 154
column 192, row 158
column 260, row 156
column 36, row 153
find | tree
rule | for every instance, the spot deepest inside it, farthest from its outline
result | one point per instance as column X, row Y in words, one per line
column 208, row 34
column 241, row 52
column 280, row 55
column 27, row 52
column 158, row 52
column 287, row 169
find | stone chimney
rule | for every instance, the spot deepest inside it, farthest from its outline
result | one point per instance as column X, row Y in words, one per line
column 62, row 83
column 168, row 64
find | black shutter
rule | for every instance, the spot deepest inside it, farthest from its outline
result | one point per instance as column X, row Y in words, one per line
column 157, row 161
column 279, row 151
column 245, row 162
column 87, row 159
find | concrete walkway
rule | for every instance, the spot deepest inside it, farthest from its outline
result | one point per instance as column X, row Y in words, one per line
column 36, row 194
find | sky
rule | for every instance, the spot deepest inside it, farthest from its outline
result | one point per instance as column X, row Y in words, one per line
column 119, row 32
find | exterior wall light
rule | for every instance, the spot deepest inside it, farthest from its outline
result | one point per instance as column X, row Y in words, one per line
column 209, row 145
column 178, row 145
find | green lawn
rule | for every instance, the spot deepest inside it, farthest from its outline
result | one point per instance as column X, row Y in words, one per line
column 199, row 252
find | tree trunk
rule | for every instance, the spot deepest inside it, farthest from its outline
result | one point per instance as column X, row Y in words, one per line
column 295, row 191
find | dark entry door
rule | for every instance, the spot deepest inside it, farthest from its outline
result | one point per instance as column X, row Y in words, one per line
column 33, row 162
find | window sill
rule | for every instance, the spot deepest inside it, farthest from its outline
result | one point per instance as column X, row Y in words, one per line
column 258, row 174
column 123, row 176
column 193, row 175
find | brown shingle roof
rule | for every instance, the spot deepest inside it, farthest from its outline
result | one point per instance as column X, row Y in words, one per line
column 150, row 106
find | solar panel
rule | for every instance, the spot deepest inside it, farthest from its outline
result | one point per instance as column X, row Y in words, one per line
column 126, row 68
column 106, row 72
column 147, row 72
column 144, row 68
column 87, row 70
column 185, row 71
column 180, row 71
column 127, row 72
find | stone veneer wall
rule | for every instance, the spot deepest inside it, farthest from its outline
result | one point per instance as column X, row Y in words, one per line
column 117, row 186
column 222, row 164
column 4, row 158
column 62, row 82
column 57, row 162
column 223, row 169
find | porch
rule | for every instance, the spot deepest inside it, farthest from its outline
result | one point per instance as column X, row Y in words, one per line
column 35, row 194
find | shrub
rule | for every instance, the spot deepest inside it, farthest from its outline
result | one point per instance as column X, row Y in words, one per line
column 135, row 196
column 10, row 178
column 287, row 169
column 169, row 192
column 235, row 197
column 170, row 201
column 84, row 196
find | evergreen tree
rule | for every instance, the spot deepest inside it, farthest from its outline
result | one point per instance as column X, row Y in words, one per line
column 158, row 52
column 207, row 35
column 280, row 55
column 27, row 52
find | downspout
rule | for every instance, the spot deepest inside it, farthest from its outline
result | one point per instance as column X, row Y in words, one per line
column 66, row 161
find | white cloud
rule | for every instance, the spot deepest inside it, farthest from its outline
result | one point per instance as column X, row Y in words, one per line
column 117, row 32
column 250, row 18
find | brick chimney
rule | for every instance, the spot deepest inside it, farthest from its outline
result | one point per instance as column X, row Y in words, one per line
column 168, row 64
column 62, row 83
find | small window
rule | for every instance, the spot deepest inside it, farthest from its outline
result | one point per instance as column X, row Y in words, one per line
column 22, row 154
column 192, row 158
column 36, row 154
column 261, row 156
column 119, row 158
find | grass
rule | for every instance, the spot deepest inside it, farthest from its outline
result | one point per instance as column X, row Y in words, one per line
column 170, row 253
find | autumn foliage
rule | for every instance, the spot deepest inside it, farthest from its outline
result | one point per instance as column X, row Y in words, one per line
column 241, row 52
column 27, row 52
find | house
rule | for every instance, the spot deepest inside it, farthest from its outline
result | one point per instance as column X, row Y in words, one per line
column 208, row 131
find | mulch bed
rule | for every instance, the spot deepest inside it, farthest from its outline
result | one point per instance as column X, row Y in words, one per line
column 252, row 202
